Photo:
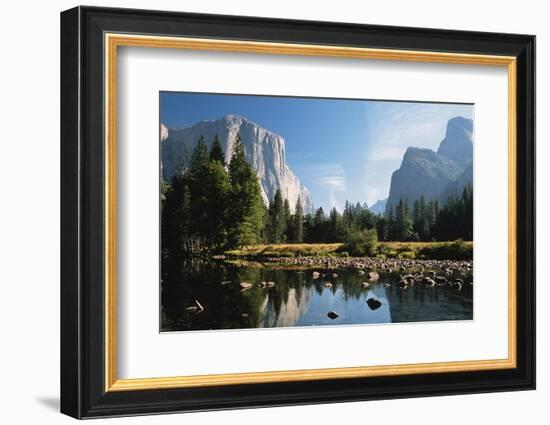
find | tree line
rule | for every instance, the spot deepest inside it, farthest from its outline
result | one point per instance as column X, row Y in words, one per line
column 428, row 220
column 209, row 206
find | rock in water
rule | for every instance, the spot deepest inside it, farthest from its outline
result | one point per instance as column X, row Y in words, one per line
column 328, row 285
column 264, row 150
column 374, row 276
column 197, row 308
column 332, row 314
column 374, row 304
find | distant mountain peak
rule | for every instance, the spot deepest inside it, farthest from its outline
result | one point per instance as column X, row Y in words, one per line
column 458, row 142
column 379, row 206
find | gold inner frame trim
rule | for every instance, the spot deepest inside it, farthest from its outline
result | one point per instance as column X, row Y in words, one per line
column 113, row 41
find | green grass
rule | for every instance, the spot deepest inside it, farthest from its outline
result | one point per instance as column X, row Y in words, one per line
column 456, row 250
column 287, row 250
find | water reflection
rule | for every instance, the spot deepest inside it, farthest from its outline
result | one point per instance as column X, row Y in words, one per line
column 297, row 298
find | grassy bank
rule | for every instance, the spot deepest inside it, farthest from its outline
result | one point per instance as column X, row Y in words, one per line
column 288, row 250
column 456, row 250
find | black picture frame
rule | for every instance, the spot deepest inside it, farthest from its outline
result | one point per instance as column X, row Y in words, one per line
column 83, row 392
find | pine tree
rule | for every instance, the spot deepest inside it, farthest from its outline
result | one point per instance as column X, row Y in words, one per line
column 468, row 199
column 382, row 228
column 347, row 215
column 216, row 151
column 199, row 197
column 333, row 226
column 217, row 186
column 246, row 208
column 309, row 228
column 276, row 221
column 287, row 223
column 199, row 158
column 298, row 220
column 176, row 220
column 319, row 233
column 403, row 221
column 391, row 227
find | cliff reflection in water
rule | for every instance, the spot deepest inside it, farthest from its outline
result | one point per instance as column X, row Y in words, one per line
column 296, row 298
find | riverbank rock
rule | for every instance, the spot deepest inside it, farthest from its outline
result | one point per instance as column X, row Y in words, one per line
column 332, row 314
column 442, row 280
column 270, row 284
column 315, row 275
column 409, row 278
column 374, row 276
column 428, row 281
column 245, row 286
column 374, row 304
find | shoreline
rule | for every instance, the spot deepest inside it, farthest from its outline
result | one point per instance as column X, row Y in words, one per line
column 387, row 265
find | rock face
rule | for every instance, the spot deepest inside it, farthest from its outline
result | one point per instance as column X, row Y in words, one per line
column 457, row 144
column 456, row 187
column 264, row 150
column 436, row 175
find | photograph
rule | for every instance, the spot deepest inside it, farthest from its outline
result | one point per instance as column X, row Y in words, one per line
column 280, row 211
column 262, row 210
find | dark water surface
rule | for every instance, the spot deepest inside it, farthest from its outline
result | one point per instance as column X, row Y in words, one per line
column 207, row 295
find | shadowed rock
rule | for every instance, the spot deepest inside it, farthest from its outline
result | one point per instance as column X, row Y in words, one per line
column 374, row 304
column 332, row 314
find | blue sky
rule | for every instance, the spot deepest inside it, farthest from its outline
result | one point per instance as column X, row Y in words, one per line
column 340, row 149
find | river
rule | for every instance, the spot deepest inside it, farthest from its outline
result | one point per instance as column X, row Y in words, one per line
column 204, row 295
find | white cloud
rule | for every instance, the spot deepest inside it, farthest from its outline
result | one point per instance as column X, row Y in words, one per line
column 330, row 177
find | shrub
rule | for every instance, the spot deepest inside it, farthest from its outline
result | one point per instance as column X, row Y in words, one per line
column 457, row 250
column 361, row 243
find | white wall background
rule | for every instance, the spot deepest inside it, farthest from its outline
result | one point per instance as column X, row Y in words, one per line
column 29, row 228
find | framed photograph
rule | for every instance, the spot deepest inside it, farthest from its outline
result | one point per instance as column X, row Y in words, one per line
column 261, row 212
